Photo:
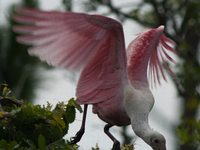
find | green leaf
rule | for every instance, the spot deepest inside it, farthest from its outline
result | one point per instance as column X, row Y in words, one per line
column 73, row 103
column 57, row 114
column 3, row 144
column 41, row 142
column 14, row 111
column 6, row 92
column 62, row 123
column 55, row 131
column 70, row 114
column 128, row 147
column 53, row 122
column 59, row 143
column 13, row 145
column 183, row 134
column 97, row 147
column 31, row 144
column 1, row 114
column 16, row 146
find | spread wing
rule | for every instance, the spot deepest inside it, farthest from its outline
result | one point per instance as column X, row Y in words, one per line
column 77, row 41
column 149, row 50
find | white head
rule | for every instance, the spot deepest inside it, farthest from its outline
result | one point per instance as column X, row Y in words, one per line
column 153, row 138
column 156, row 141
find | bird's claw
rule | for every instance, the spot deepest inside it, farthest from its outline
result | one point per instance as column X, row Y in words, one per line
column 77, row 137
column 116, row 146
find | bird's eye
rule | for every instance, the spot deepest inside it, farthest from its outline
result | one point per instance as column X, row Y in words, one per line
column 156, row 141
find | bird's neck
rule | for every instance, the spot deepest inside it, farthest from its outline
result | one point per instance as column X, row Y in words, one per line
column 142, row 128
column 138, row 102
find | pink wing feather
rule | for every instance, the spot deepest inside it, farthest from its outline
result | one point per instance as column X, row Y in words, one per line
column 68, row 40
column 109, row 69
column 149, row 49
column 160, row 55
column 78, row 41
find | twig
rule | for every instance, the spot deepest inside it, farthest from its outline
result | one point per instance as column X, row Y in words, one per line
column 8, row 101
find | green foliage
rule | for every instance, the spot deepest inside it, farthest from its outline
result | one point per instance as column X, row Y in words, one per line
column 41, row 142
column 96, row 148
column 6, row 92
column 189, row 137
column 37, row 126
column 128, row 147
column 11, row 145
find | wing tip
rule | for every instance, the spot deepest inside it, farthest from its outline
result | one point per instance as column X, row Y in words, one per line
column 160, row 56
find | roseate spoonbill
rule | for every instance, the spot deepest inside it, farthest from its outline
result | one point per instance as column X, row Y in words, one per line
column 113, row 80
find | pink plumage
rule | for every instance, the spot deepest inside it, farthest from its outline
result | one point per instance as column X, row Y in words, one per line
column 149, row 48
column 111, row 77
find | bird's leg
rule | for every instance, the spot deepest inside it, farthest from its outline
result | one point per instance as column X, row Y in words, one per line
column 80, row 133
column 116, row 144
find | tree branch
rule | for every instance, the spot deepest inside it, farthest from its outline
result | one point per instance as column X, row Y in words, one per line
column 123, row 15
column 8, row 101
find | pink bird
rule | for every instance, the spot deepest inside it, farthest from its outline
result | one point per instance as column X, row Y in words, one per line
column 113, row 80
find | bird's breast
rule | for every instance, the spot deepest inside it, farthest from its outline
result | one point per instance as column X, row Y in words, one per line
column 138, row 99
column 112, row 113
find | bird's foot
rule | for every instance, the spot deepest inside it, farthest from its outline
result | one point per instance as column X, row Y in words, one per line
column 116, row 146
column 77, row 137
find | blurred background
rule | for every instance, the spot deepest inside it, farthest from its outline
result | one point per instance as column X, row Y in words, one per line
column 176, row 111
